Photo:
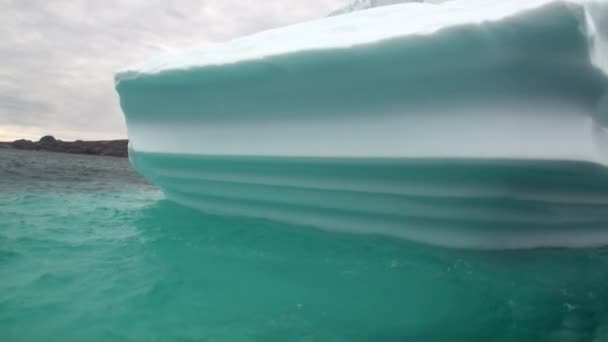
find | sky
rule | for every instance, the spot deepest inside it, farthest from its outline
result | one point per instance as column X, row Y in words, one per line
column 58, row 58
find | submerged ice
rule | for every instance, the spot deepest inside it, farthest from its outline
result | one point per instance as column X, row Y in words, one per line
column 467, row 123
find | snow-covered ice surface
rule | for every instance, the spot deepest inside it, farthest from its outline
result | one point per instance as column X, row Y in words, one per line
column 470, row 123
column 358, row 5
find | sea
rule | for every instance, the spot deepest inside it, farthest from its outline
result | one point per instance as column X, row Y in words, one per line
column 90, row 251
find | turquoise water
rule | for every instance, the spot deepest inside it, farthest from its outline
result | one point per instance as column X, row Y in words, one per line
column 90, row 252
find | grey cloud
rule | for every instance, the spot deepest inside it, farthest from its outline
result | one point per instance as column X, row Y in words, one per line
column 21, row 109
column 59, row 57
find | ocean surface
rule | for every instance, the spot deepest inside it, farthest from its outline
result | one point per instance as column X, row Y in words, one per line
column 89, row 251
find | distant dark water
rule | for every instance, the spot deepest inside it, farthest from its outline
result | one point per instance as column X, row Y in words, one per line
column 91, row 252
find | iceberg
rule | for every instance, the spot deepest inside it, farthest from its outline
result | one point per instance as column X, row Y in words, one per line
column 466, row 123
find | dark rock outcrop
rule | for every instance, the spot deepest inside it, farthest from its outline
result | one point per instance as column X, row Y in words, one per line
column 23, row 144
column 47, row 139
column 116, row 148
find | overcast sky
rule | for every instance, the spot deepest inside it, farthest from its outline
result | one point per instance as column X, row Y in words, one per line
column 58, row 57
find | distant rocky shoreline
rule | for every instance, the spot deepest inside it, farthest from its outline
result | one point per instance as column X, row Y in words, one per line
column 115, row 148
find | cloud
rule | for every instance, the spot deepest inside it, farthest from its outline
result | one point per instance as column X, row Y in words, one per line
column 58, row 57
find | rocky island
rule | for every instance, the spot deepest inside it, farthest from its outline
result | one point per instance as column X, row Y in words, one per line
column 115, row 148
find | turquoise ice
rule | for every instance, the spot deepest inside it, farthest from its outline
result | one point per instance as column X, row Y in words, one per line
column 471, row 124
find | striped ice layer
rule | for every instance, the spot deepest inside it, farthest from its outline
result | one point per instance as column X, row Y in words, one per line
column 474, row 124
